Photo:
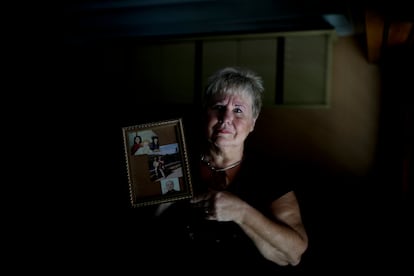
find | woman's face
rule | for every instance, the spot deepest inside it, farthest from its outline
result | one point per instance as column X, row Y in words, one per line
column 230, row 120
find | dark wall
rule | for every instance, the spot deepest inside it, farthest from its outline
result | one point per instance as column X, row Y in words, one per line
column 100, row 102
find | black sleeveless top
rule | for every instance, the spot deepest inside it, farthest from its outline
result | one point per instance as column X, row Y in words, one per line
column 223, row 244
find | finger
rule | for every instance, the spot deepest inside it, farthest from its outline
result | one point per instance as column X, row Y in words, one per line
column 197, row 199
column 202, row 197
column 209, row 213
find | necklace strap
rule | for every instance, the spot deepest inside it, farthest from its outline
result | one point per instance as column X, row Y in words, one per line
column 211, row 167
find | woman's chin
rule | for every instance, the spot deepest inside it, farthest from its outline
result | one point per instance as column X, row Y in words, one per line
column 220, row 142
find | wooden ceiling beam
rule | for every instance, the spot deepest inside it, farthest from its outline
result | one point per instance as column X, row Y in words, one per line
column 383, row 32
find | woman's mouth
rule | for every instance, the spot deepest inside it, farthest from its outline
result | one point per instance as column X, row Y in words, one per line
column 223, row 131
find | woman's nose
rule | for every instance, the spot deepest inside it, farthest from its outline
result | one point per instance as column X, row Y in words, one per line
column 227, row 115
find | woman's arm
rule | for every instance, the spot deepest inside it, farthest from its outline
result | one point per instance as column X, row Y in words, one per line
column 281, row 239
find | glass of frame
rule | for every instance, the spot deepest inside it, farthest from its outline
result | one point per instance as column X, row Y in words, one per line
column 157, row 162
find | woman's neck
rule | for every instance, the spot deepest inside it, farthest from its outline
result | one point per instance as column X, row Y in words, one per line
column 222, row 159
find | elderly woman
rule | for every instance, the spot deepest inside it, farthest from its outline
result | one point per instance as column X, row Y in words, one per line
column 239, row 218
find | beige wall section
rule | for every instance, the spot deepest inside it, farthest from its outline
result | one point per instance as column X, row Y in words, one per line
column 257, row 54
column 217, row 54
column 171, row 69
column 342, row 137
column 306, row 60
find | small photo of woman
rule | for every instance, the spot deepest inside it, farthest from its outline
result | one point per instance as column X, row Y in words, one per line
column 155, row 143
column 170, row 186
column 137, row 144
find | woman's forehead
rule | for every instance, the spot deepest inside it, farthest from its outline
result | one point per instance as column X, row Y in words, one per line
column 237, row 97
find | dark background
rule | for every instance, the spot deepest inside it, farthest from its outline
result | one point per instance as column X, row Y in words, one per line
column 370, row 234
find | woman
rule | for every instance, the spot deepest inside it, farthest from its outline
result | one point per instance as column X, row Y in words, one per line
column 137, row 144
column 158, row 165
column 240, row 219
column 155, row 144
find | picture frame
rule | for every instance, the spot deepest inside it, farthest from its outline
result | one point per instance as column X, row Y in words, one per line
column 157, row 162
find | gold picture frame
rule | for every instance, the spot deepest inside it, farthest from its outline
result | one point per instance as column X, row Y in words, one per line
column 157, row 162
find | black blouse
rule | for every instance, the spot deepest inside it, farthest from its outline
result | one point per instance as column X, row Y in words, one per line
column 223, row 244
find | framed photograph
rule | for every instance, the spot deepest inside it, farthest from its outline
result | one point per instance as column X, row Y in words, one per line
column 157, row 162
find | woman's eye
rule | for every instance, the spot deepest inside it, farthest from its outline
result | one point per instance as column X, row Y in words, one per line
column 238, row 110
column 218, row 107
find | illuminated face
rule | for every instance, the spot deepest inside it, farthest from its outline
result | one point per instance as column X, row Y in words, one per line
column 170, row 186
column 230, row 120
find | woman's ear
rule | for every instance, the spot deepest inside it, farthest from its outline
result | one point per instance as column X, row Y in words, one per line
column 253, row 124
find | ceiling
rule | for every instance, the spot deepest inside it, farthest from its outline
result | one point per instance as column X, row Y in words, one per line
column 148, row 18
column 383, row 23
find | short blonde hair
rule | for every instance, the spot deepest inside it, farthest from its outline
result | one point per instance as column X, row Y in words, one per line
column 235, row 80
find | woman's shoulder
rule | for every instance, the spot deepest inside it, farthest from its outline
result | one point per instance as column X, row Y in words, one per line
column 266, row 178
column 273, row 166
column 261, row 162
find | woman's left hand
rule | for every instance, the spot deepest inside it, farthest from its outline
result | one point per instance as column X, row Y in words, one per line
column 220, row 205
